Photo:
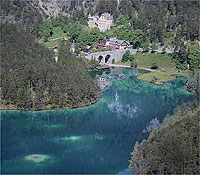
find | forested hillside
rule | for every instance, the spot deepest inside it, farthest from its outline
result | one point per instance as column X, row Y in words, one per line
column 171, row 22
column 159, row 19
column 31, row 78
column 23, row 13
column 174, row 147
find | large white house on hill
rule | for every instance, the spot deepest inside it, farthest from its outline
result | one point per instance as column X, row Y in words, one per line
column 103, row 23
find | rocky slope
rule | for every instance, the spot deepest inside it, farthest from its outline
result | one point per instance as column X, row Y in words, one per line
column 30, row 13
column 171, row 22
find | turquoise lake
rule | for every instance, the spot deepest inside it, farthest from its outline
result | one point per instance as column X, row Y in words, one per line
column 94, row 139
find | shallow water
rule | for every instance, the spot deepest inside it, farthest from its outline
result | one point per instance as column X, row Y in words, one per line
column 94, row 139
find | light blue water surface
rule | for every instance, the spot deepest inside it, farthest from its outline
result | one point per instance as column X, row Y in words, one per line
column 94, row 139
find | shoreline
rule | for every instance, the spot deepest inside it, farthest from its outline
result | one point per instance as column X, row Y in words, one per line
column 125, row 66
column 56, row 109
column 151, row 71
column 14, row 108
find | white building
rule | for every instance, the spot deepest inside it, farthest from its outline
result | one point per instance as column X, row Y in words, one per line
column 103, row 23
column 93, row 21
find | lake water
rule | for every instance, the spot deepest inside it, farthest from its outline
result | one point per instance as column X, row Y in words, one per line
column 94, row 139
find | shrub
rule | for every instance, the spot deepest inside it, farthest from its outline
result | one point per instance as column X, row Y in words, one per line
column 154, row 47
column 131, row 57
column 164, row 50
column 135, row 65
column 132, row 63
column 154, row 66
column 126, row 56
column 113, row 61
column 154, row 79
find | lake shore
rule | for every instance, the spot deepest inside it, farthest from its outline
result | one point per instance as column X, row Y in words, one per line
column 12, row 107
column 162, row 77
column 155, row 76
column 125, row 66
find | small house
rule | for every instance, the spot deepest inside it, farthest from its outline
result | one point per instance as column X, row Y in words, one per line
column 119, row 44
column 103, row 43
column 87, row 48
column 55, row 48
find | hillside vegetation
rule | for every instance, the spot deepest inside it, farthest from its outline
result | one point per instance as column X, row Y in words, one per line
column 23, row 13
column 31, row 78
column 174, row 147
column 145, row 24
column 163, row 61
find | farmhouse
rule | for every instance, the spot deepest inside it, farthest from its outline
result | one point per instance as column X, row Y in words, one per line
column 87, row 48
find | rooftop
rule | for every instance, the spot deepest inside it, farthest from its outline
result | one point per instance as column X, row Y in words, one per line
column 102, row 67
column 105, row 39
column 107, row 16
column 115, row 40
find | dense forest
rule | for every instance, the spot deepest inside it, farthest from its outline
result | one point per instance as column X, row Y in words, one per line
column 156, row 18
column 31, row 78
column 173, row 148
column 22, row 13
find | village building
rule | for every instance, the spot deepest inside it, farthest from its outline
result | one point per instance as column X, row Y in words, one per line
column 55, row 48
column 119, row 44
column 87, row 48
column 113, row 43
column 103, row 23
column 103, row 43
column 93, row 21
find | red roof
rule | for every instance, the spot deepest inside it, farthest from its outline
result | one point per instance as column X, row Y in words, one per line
column 100, row 44
column 55, row 47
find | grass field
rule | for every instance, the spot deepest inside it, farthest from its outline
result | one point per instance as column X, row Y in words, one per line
column 51, row 43
column 145, row 60
column 57, row 33
column 161, row 77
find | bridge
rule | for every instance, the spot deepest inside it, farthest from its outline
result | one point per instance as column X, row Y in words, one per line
column 107, row 56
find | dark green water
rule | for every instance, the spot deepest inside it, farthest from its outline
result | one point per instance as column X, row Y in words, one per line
column 95, row 139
